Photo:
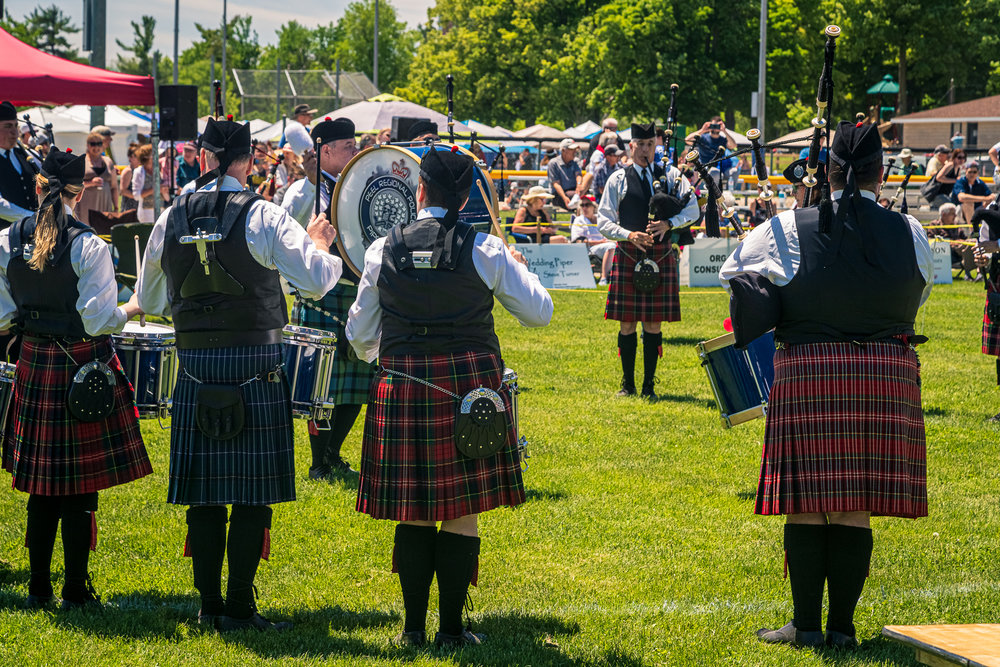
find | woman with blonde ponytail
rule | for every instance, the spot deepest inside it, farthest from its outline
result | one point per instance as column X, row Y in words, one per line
column 58, row 293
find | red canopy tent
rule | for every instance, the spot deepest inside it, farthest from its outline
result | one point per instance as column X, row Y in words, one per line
column 29, row 77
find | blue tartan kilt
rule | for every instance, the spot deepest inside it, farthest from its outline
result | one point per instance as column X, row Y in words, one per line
column 352, row 378
column 257, row 466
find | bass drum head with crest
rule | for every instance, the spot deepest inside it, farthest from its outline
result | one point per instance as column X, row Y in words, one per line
column 377, row 190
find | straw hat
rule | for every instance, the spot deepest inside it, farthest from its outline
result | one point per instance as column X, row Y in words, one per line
column 537, row 192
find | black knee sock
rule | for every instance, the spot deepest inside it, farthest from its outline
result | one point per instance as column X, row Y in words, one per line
column 317, row 446
column 43, row 522
column 805, row 548
column 77, row 534
column 247, row 524
column 455, row 560
column 849, row 556
column 413, row 554
column 651, row 343
column 627, row 345
column 343, row 421
column 207, row 545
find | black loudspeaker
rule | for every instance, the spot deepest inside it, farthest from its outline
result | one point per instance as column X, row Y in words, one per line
column 178, row 113
column 401, row 125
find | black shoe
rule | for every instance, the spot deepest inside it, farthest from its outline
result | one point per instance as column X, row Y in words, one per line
column 319, row 472
column 839, row 640
column 647, row 391
column 416, row 638
column 38, row 601
column 466, row 638
column 789, row 635
column 208, row 620
column 995, row 418
column 83, row 598
column 628, row 389
column 341, row 467
column 255, row 622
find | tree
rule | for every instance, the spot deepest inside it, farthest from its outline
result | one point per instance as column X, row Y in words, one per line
column 141, row 48
column 242, row 52
column 51, row 27
column 21, row 30
column 353, row 40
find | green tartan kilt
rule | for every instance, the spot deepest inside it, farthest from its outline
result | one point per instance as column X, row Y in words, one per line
column 352, row 377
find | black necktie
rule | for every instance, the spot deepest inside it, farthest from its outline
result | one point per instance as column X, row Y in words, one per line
column 647, row 189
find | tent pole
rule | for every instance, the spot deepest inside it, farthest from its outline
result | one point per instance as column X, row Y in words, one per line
column 154, row 139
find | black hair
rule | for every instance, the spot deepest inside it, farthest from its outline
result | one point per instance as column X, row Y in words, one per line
column 866, row 176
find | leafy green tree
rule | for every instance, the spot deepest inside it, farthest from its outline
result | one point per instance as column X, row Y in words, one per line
column 141, row 61
column 21, row 30
column 353, row 41
column 53, row 26
column 242, row 52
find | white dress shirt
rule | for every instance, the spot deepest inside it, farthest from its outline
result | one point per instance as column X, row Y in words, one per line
column 138, row 185
column 614, row 192
column 274, row 240
column 9, row 211
column 98, row 293
column 772, row 250
column 300, row 198
column 517, row 289
column 297, row 136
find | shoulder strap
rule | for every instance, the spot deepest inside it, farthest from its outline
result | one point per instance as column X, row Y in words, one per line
column 17, row 234
column 236, row 205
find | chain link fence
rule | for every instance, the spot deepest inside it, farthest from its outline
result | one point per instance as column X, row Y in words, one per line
column 271, row 94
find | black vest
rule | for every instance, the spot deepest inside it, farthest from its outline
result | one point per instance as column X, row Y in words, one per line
column 633, row 209
column 433, row 311
column 248, row 298
column 18, row 189
column 46, row 302
column 852, row 299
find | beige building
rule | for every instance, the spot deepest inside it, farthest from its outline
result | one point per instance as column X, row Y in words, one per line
column 978, row 120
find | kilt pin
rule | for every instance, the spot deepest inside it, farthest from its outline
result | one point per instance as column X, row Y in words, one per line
column 410, row 467
column 625, row 304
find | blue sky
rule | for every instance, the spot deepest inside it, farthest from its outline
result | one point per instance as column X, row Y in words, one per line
column 267, row 16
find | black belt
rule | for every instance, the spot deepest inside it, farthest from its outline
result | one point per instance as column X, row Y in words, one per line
column 201, row 340
column 44, row 338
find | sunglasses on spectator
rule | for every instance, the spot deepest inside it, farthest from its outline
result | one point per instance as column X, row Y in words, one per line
column 960, row 156
column 95, row 143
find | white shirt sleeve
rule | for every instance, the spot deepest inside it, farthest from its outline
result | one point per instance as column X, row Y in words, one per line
column 152, row 283
column 364, row 320
column 11, row 212
column 607, row 211
column 299, row 200
column 98, row 301
column 8, row 310
column 770, row 249
column 517, row 289
column 925, row 256
column 277, row 241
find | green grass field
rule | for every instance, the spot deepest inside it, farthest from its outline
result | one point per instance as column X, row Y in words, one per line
column 638, row 544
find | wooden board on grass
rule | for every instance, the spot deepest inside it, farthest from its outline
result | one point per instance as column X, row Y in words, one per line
column 974, row 645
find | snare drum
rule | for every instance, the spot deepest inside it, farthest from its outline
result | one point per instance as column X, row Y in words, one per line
column 309, row 366
column 6, row 393
column 510, row 380
column 148, row 355
column 740, row 379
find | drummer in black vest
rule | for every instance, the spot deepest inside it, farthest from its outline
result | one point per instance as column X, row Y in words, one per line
column 987, row 254
column 624, row 216
column 351, row 376
column 17, row 171
column 844, row 436
column 63, row 445
column 424, row 310
column 213, row 263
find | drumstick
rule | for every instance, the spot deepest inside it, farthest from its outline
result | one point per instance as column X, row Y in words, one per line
column 138, row 264
column 493, row 216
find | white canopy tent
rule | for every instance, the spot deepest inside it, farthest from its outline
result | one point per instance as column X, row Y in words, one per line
column 71, row 125
column 584, row 130
column 372, row 116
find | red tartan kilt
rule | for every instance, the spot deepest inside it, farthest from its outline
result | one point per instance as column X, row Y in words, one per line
column 991, row 336
column 410, row 467
column 626, row 305
column 46, row 449
column 844, row 432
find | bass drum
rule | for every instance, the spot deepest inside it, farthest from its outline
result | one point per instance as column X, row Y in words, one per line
column 377, row 190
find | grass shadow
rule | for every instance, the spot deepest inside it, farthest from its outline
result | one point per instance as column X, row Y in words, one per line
column 12, row 575
column 680, row 398
column 139, row 615
column 686, row 341
column 746, row 495
column 935, row 412
column 877, row 649
column 532, row 495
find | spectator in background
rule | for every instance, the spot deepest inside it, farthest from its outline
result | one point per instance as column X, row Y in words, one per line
column 125, row 183
column 958, row 140
column 188, row 169
column 384, row 135
column 100, row 181
column 946, row 177
column 533, row 221
column 294, row 172
column 142, row 184
column 608, row 127
column 995, row 159
column 106, row 133
column 524, row 160
column 610, row 164
column 937, row 161
column 906, row 158
column 711, row 137
column 24, row 130
column 565, row 175
column 945, row 229
column 584, row 230
column 41, row 143
column 970, row 193
column 367, row 141
column 297, row 131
